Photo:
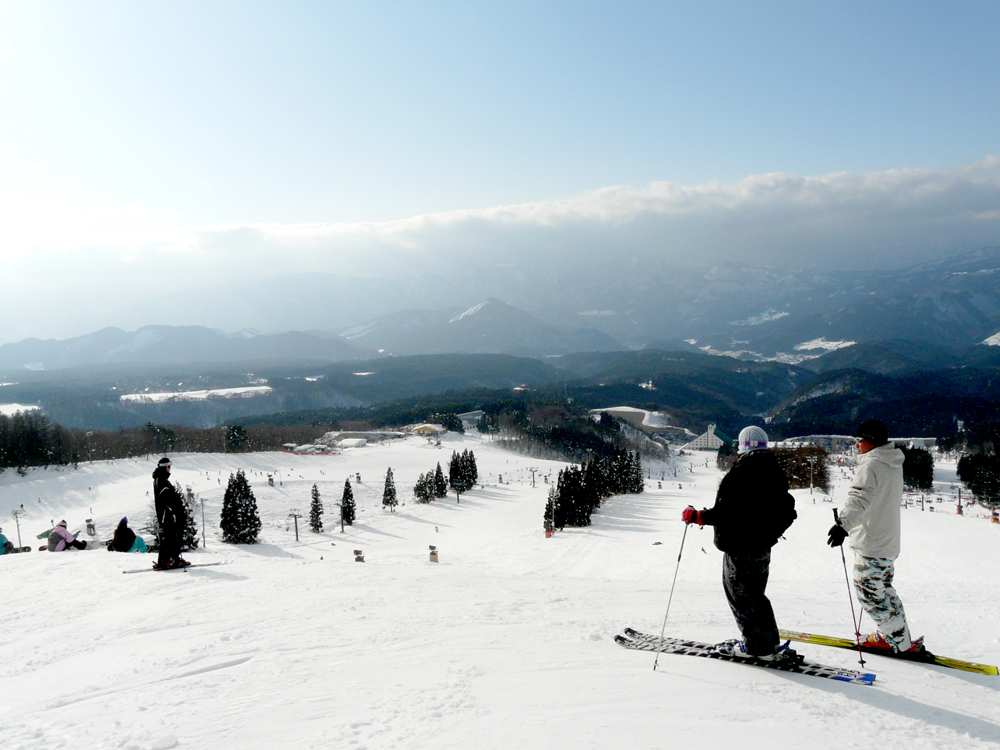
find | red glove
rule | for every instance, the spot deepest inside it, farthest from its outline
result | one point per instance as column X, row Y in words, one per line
column 690, row 515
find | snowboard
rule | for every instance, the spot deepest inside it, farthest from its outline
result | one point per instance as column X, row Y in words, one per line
column 921, row 657
column 643, row 642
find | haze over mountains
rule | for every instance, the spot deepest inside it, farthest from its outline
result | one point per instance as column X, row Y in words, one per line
column 744, row 311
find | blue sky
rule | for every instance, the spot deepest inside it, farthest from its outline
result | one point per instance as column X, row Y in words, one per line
column 130, row 128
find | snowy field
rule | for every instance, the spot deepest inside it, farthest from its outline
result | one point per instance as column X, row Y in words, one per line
column 505, row 643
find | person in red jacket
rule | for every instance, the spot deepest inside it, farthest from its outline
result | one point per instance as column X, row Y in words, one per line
column 752, row 510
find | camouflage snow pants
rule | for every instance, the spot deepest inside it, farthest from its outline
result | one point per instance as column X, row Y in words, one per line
column 873, row 585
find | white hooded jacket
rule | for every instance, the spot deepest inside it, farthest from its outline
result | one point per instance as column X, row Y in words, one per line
column 871, row 514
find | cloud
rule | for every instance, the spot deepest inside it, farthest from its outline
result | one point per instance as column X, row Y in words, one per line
column 843, row 219
column 898, row 217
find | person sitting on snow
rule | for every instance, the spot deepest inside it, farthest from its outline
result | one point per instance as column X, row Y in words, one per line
column 5, row 546
column 60, row 539
column 125, row 539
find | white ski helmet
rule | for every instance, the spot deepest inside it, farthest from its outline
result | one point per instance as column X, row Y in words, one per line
column 751, row 439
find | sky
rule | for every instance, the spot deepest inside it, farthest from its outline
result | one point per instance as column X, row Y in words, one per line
column 174, row 143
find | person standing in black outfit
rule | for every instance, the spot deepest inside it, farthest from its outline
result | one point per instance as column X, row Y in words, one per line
column 752, row 510
column 171, row 515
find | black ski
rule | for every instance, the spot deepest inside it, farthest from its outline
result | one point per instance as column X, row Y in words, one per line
column 643, row 642
column 169, row 570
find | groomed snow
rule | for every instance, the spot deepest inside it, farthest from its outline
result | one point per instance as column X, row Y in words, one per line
column 822, row 343
column 11, row 409
column 652, row 419
column 244, row 391
column 505, row 643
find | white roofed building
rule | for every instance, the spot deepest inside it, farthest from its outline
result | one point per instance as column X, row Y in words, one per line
column 707, row 441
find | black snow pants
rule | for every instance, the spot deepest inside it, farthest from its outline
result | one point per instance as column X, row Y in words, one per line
column 170, row 543
column 744, row 578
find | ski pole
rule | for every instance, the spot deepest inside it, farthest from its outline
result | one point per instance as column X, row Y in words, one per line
column 671, row 597
column 856, row 622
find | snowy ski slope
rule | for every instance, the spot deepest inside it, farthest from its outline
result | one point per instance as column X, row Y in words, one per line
column 507, row 642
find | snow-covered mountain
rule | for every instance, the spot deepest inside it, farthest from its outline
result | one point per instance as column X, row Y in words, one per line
column 173, row 345
column 743, row 311
column 489, row 327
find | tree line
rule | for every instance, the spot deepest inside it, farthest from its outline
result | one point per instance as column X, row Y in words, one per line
column 31, row 439
column 580, row 490
column 463, row 475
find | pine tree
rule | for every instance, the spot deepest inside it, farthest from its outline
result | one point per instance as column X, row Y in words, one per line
column 423, row 489
column 240, row 521
column 189, row 538
column 552, row 515
column 918, row 468
column 472, row 469
column 440, row 485
column 347, row 504
column 316, row 511
column 458, row 476
column 389, row 494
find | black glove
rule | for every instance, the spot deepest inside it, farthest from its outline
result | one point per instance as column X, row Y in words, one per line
column 837, row 535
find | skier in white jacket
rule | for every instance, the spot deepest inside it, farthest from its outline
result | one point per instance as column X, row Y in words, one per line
column 871, row 518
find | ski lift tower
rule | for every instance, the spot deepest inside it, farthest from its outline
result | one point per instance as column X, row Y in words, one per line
column 17, row 521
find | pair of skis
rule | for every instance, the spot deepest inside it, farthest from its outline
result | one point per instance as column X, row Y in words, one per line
column 168, row 570
column 644, row 642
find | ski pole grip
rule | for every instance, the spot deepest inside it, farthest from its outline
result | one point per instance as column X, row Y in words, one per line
column 836, row 518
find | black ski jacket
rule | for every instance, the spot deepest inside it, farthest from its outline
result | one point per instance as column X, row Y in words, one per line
column 753, row 506
column 171, row 511
column 123, row 539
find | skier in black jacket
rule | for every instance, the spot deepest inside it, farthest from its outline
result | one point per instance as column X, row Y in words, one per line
column 171, row 515
column 752, row 509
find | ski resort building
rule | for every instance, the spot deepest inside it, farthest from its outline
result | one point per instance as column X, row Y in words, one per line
column 710, row 440
column 428, row 430
column 844, row 443
column 470, row 419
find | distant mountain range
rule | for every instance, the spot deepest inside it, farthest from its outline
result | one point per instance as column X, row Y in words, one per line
column 747, row 311
column 490, row 327
column 933, row 315
column 172, row 345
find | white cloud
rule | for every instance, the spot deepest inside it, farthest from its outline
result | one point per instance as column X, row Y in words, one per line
column 56, row 238
column 772, row 219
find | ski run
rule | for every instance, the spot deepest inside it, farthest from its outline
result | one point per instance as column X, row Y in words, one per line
column 507, row 642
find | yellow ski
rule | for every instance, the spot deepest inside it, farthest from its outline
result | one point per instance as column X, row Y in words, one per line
column 928, row 658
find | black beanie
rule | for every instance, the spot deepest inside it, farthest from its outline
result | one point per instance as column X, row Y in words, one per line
column 874, row 432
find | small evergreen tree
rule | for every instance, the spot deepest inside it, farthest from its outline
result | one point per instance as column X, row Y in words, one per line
column 423, row 490
column 189, row 538
column 389, row 494
column 470, row 467
column 918, row 468
column 347, row 508
column 552, row 519
column 440, row 484
column 316, row 511
column 240, row 521
column 458, row 475
column 725, row 457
